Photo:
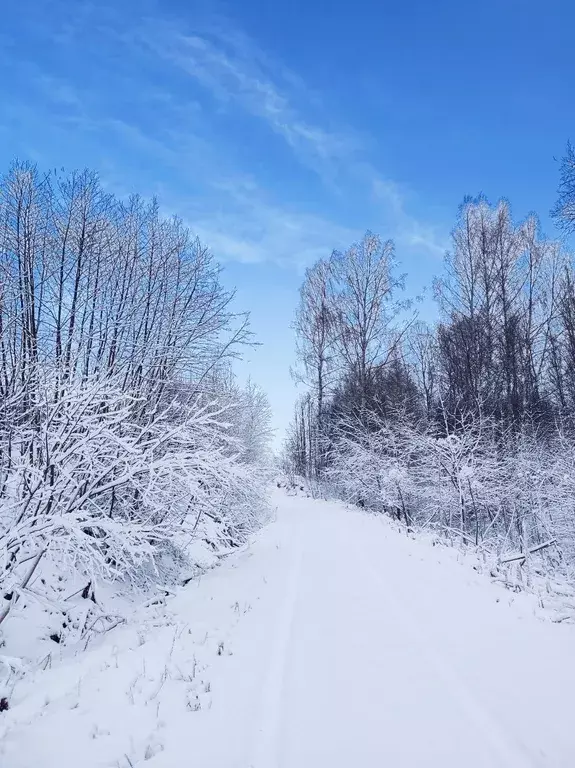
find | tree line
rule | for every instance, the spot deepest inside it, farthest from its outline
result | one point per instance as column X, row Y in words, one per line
column 123, row 433
column 466, row 425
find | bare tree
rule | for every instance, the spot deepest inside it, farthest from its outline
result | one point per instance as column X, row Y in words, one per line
column 117, row 433
column 422, row 356
column 498, row 301
column 315, row 328
column 365, row 286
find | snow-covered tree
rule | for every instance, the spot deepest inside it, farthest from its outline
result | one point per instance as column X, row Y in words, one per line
column 118, row 436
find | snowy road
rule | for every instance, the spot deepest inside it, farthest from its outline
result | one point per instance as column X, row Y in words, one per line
column 387, row 655
column 332, row 641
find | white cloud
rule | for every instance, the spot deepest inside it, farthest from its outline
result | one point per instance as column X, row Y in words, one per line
column 58, row 90
column 246, row 226
column 407, row 229
column 229, row 210
column 239, row 74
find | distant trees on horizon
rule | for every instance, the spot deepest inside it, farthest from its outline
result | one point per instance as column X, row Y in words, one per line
column 466, row 425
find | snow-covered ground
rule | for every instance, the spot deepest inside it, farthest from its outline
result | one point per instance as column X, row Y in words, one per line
column 333, row 640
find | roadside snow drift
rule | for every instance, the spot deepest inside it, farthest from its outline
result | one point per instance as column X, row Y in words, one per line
column 333, row 640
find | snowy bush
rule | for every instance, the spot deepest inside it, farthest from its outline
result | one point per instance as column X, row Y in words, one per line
column 89, row 486
column 369, row 465
column 512, row 495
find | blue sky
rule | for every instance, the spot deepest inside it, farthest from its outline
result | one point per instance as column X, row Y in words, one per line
column 280, row 131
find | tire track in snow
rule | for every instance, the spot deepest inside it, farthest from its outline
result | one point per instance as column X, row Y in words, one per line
column 266, row 742
column 509, row 755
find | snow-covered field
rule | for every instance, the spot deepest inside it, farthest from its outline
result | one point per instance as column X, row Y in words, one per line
column 333, row 640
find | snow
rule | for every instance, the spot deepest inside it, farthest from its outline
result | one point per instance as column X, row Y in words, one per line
column 335, row 640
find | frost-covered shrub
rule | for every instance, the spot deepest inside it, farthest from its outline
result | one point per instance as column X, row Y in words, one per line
column 88, row 485
column 511, row 494
column 369, row 465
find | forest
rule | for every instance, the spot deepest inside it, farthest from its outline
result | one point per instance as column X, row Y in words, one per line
column 126, row 439
column 465, row 426
column 124, row 435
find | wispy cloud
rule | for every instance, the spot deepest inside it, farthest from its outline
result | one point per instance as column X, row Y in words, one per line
column 238, row 74
column 58, row 90
column 232, row 213
column 168, row 125
column 248, row 227
column 235, row 71
column 407, row 229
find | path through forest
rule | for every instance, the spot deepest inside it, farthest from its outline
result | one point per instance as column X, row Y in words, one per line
column 333, row 640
